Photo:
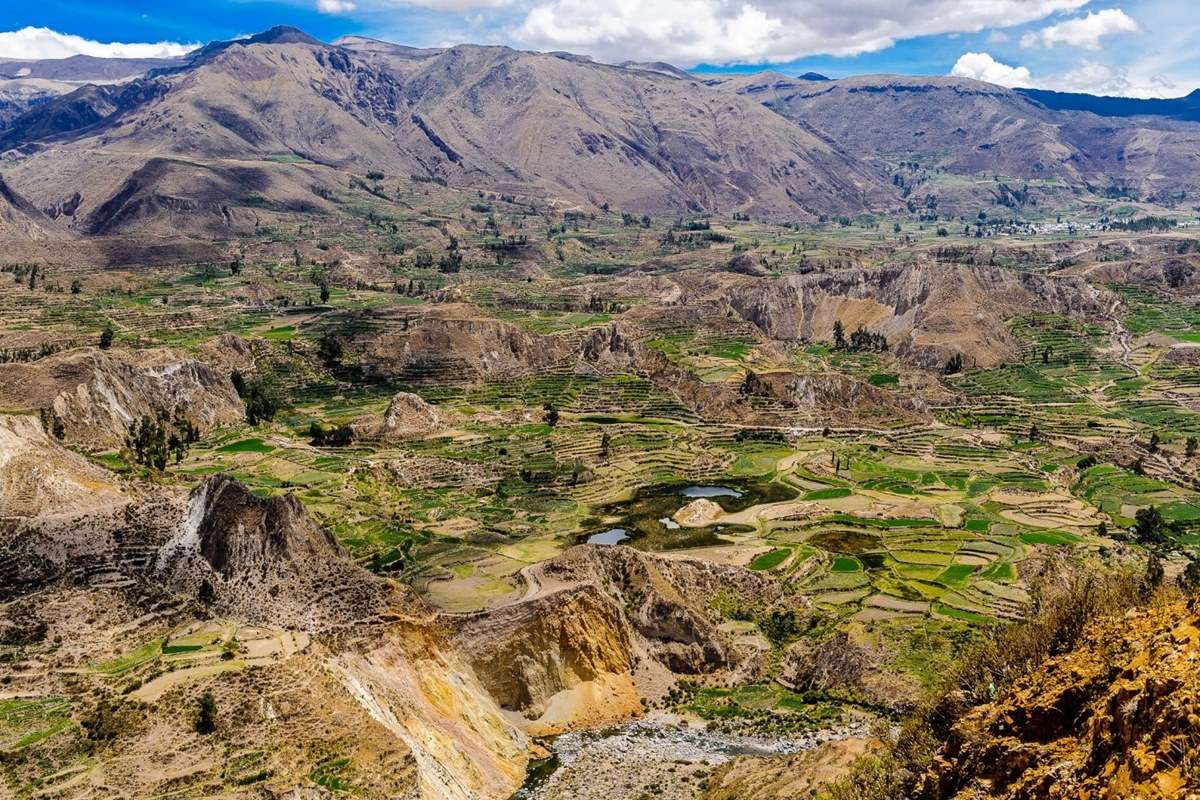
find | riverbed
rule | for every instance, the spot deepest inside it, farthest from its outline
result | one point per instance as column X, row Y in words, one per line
column 660, row 755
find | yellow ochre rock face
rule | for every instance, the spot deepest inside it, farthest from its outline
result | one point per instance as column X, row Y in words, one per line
column 1118, row 717
column 463, row 746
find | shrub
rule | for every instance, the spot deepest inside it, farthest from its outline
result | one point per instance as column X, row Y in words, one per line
column 206, row 714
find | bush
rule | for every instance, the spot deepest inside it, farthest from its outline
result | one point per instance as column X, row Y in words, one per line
column 206, row 714
column 108, row 720
column 779, row 627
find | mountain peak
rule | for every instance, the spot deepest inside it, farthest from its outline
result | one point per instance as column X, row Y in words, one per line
column 283, row 34
column 280, row 34
column 813, row 76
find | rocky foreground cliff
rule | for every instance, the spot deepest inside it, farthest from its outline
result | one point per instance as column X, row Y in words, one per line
column 1117, row 717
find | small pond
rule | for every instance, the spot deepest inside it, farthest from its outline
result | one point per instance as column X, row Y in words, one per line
column 609, row 537
column 646, row 520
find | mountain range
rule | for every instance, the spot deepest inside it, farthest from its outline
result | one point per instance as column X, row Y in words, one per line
column 271, row 122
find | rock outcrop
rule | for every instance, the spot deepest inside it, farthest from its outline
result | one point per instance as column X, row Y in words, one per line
column 927, row 311
column 841, row 666
column 1116, row 717
column 99, row 394
column 458, row 346
column 39, row 477
column 595, row 621
column 829, row 394
column 407, row 416
column 426, row 695
column 266, row 560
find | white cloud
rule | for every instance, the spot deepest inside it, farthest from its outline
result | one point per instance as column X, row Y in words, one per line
column 1090, row 77
column 1095, row 78
column 35, row 43
column 688, row 32
column 1084, row 32
column 997, row 37
column 335, row 6
column 982, row 67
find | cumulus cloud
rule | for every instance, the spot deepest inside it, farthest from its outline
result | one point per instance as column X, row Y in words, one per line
column 335, row 6
column 35, row 43
column 688, row 32
column 982, row 67
column 1085, row 32
column 1090, row 77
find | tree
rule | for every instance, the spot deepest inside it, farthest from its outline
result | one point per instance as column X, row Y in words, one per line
column 106, row 337
column 1189, row 580
column 779, row 626
column 108, row 720
column 317, row 434
column 330, row 350
column 1148, row 526
column 605, row 441
column 1154, row 574
column 839, row 335
column 1034, row 433
column 76, row 286
column 1153, row 447
column 206, row 714
column 551, row 415
column 261, row 402
column 239, row 382
column 342, row 435
column 1189, row 448
column 954, row 365
column 324, row 287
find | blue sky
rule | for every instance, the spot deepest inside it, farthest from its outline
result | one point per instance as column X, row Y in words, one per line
column 1134, row 47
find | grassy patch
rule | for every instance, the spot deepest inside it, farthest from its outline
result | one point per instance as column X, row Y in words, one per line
column 247, row 446
column 770, row 560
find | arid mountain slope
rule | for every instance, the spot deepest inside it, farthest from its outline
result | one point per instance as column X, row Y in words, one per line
column 28, row 83
column 362, row 648
column 970, row 127
column 38, row 476
column 18, row 218
column 597, row 624
column 561, row 128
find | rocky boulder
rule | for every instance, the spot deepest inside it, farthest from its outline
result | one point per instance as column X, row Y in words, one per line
column 407, row 416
